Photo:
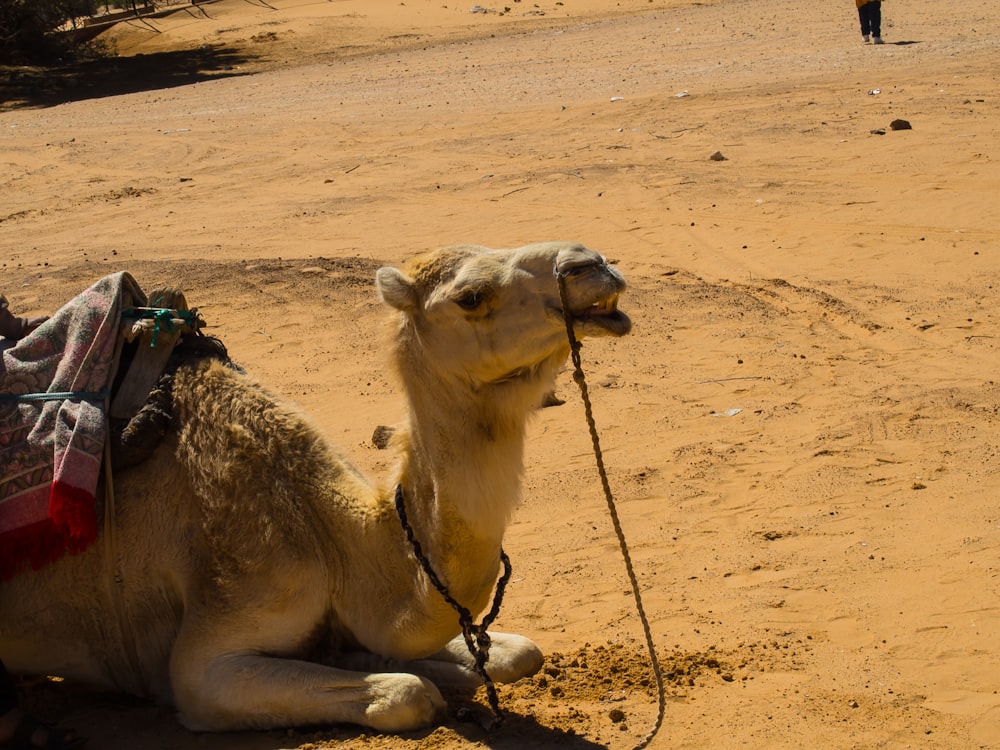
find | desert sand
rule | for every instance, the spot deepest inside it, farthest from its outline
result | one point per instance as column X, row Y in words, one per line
column 801, row 432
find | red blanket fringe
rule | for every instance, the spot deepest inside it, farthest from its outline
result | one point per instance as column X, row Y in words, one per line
column 70, row 528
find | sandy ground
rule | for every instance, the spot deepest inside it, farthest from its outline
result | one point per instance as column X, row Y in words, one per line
column 801, row 432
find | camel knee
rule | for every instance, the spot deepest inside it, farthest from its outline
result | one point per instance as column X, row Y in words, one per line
column 225, row 693
column 198, row 711
column 513, row 657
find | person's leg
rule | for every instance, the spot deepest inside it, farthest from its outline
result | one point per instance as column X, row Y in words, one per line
column 866, row 28
column 16, row 728
column 875, row 18
column 8, row 692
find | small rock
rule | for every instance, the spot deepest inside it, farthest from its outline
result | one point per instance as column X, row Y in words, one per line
column 900, row 125
column 717, row 156
column 616, row 715
column 382, row 435
column 878, row 131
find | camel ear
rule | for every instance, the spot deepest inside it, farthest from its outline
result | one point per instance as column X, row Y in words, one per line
column 396, row 288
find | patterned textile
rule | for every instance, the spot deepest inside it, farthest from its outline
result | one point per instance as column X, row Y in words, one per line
column 52, row 441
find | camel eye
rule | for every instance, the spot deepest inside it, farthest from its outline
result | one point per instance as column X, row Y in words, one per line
column 470, row 300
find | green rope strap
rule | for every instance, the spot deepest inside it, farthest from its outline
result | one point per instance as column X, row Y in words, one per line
column 165, row 319
column 60, row 396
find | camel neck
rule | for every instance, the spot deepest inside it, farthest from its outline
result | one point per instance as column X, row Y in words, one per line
column 465, row 475
column 461, row 481
column 460, row 473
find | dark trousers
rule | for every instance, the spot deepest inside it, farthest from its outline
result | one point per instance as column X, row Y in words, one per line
column 8, row 693
column 871, row 18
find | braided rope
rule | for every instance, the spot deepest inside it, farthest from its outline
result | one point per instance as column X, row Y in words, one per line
column 477, row 638
column 581, row 381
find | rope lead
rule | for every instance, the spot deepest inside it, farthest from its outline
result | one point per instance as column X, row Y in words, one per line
column 581, row 381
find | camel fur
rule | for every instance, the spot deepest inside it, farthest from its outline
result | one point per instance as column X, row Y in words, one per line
column 266, row 582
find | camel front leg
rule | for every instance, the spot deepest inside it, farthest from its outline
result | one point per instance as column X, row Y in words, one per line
column 254, row 691
column 511, row 658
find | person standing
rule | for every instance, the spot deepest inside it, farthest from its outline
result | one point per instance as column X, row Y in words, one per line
column 870, row 15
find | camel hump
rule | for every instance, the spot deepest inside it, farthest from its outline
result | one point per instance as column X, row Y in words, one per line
column 169, row 298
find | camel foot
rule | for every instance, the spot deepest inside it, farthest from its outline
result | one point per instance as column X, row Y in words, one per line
column 403, row 702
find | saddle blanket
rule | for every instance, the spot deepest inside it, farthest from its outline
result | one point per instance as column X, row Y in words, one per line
column 54, row 385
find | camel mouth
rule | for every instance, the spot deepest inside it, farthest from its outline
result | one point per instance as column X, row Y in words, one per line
column 596, row 286
column 605, row 316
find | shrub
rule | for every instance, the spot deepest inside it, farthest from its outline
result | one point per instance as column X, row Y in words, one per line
column 31, row 31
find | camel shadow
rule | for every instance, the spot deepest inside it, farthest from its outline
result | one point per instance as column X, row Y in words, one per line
column 29, row 87
column 111, row 719
column 520, row 731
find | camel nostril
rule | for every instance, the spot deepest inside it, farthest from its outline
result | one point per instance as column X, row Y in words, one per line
column 569, row 270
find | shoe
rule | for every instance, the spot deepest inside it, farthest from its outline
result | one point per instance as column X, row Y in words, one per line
column 864, row 39
column 23, row 737
column 877, row 40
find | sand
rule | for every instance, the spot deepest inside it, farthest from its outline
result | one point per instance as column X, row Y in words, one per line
column 801, row 433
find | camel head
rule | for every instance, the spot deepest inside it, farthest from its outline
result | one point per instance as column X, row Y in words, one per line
column 494, row 317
